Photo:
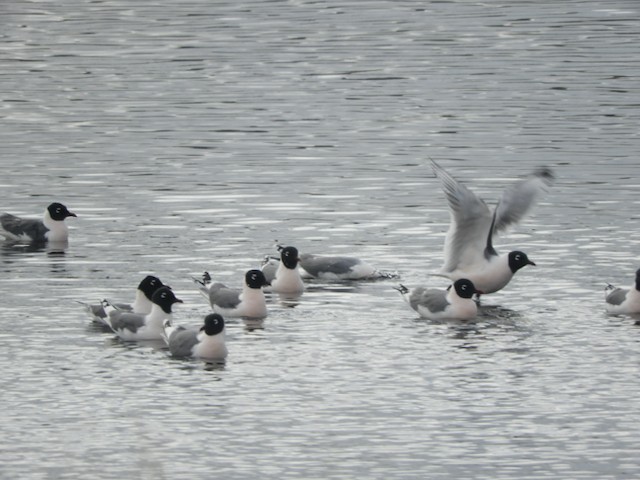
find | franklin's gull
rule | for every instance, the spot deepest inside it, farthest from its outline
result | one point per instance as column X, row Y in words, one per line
column 134, row 326
column 207, row 342
column 623, row 300
column 50, row 229
column 141, row 304
column 469, row 251
column 247, row 302
column 284, row 275
column 455, row 303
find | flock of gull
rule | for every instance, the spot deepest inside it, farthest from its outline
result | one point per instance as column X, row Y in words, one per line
column 471, row 262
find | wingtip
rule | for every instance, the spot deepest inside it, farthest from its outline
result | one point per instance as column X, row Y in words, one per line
column 203, row 280
column 402, row 289
column 545, row 173
column 435, row 166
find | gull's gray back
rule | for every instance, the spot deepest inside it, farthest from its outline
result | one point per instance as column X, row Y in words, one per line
column 182, row 341
column 617, row 296
column 224, row 297
column 126, row 320
column 23, row 226
column 431, row 298
column 316, row 265
column 269, row 269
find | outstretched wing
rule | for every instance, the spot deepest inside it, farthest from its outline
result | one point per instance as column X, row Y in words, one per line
column 466, row 238
column 517, row 200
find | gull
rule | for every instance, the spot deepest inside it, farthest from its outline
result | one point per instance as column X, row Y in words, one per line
column 134, row 326
column 207, row 342
column 455, row 303
column 230, row 302
column 51, row 228
column 469, row 251
column 623, row 300
column 141, row 304
column 284, row 275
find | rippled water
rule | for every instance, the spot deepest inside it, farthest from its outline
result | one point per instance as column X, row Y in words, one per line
column 191, row 136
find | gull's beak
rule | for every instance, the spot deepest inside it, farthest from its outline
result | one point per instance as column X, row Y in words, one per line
column 531, row 262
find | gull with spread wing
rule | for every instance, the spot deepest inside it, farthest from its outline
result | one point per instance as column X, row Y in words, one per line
column 469, row 252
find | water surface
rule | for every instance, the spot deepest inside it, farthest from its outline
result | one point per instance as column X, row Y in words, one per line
column 193, row 136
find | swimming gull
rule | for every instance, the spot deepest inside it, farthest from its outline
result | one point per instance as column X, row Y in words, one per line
column 455, row 303
column 208, row 342
column 51, row 228
column 134, row 326
column 231, row 302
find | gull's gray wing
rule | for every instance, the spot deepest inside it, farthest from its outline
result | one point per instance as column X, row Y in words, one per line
column 433, row 299
column 466, row 238
column 97, row 310
column 517, row 200
column 316, row 265
column 182, row 341
column 269, row 268
column 224, row 297
column 617, row 296
column 126, row 321
column 17, row 227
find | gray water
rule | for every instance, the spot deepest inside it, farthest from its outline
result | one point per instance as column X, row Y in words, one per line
column 192, row 136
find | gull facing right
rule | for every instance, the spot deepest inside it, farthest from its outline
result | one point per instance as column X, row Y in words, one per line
column 51, row 228
column 207, row 342
column 454, row 303
column 623, row 300
column 468, row 250
column 248, row 302
column 134, row 326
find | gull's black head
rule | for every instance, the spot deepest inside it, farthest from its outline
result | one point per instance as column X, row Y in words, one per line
column 638, row 279
column 59, row 212
column 149, row 285
column 255, row 279
column 289, row 257
column 465, row 288
column 165, row 298
column 517, row 260
column 546, row 174
column 213, row 324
